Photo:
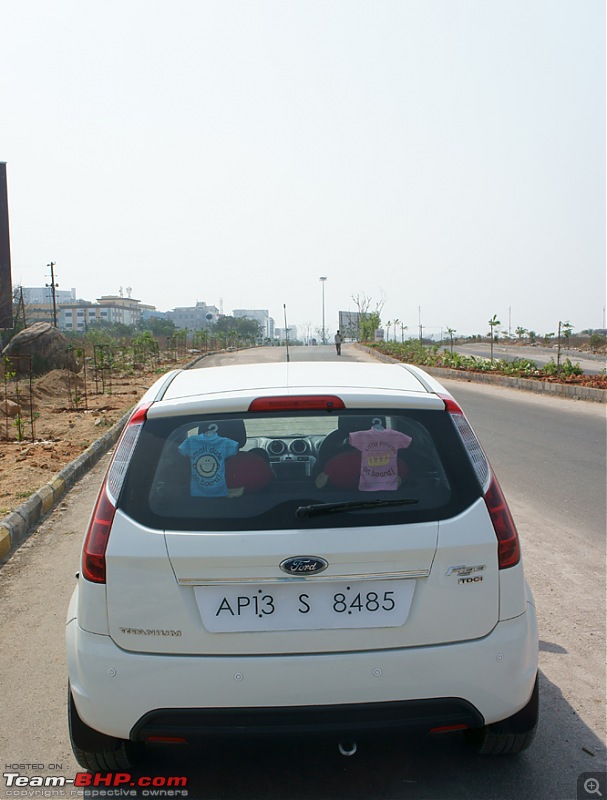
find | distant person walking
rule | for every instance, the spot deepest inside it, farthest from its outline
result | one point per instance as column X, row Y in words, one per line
column 338, row 341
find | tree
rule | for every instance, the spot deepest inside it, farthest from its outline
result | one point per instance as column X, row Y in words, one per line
column 520, row 332
column 200, row 339
column 565, row 329
column 371, row 323
column 238, row 328
column 327, row 331
column 548, row 337
column 451, row 331
column 368, row 321
column 362, row 303
column 158, row 326
column 113, row 330
column 396, row 324
column 596, row 341
column 493, row 323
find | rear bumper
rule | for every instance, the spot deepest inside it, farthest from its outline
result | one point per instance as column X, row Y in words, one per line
column 354, row 718
column 133, row 695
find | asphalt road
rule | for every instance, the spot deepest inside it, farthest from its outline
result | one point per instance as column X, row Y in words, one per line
column 550, row 458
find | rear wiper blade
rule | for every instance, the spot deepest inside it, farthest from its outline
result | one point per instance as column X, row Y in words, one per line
column 318, row 509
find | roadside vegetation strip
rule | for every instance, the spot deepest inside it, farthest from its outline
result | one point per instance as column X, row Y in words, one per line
column 476, row 369
column 17, row 526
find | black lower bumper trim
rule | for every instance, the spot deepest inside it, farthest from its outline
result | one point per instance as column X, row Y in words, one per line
column 403, row 716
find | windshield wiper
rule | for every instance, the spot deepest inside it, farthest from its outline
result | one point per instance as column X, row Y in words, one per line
column 318, row 509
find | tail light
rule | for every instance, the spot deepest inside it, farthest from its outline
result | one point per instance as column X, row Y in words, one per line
column 508, row 546
column 98, row 534
column 95, row 544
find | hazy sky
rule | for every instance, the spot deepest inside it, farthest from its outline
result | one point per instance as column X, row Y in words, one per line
column 442, row 154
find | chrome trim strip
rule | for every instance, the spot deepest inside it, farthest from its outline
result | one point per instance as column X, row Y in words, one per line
column 363, row 576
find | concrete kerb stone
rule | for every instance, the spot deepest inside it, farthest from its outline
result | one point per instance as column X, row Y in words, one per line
column 526, row 384
column 5, row 542
column 16, row 526
column 31, row 509
column 47, row 496
column 59, row 488
column 20, row 523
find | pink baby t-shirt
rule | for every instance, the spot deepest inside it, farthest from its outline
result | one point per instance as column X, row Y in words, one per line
column 379, row 448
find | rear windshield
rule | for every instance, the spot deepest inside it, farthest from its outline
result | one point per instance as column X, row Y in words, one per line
column 276, row 471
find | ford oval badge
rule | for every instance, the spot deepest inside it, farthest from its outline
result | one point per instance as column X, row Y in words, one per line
column 303, row 565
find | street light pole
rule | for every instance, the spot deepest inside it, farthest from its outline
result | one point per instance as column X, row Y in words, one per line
column 324, row 335
column 286, row 332
column 52, row 286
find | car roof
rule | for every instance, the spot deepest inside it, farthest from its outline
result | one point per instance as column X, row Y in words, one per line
column 232, row 388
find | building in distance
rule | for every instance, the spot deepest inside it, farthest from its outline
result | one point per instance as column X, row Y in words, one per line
column 280, row 333
column 194, row 318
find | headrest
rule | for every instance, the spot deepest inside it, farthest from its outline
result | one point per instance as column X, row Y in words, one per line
column 248, row 471
column 343, row 470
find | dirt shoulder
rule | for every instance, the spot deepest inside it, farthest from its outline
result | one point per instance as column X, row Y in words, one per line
column 65, row 421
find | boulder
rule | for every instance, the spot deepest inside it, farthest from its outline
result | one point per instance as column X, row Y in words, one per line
column 47, row 347
column 10, row 408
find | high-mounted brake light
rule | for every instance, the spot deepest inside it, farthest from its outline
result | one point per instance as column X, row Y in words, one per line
column 313, row 402
column 98, row 534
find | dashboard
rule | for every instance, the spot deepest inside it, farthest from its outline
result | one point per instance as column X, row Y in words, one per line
column 290, row 457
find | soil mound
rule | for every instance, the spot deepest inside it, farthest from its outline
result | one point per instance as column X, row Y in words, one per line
column 58, row 383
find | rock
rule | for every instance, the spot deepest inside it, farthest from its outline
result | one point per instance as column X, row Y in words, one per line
column 10, row 409
column 43, row 347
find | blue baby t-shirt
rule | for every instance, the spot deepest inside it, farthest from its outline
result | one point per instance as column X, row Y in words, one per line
column 208, row 453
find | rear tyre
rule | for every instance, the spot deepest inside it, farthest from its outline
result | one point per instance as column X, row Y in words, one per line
column 97, row 751
column 509, row 736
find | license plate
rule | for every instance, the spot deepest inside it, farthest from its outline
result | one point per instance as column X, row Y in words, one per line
column 305, row 606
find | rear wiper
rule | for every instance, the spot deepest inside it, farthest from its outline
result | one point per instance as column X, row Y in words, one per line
column 318, row 509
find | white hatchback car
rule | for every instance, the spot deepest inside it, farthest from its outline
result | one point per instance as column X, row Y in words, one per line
column 299, row 549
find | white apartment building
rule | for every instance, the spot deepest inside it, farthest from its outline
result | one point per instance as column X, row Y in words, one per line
column 110, row 308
